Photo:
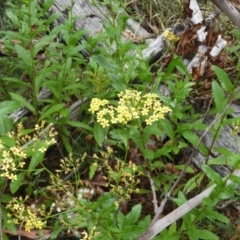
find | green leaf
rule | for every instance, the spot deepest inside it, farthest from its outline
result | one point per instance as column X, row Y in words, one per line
column 75, row 86
column 36, row 158
column 191, row 137
column 229, row 191
column 16, row 184
column 234, row 178
column 117, row 81
column 133, row 216
column 98, row 133
column 181, row 199
column 223, row 151
column 93, row 168
column 8, row 221
column 7, row 141
column 12, row 17
column 7, row 107
column 150, row 130
column 212, row 175
column 128, row 233
column 23, row 101
column 57, row 230
column 42, row 42
column 189, row 169
column 193, row 182
column 144, row 191
column 214, row 215
column 68, row 63
column 17, row 82
column 148, row 154
column 6, row 198
column 136, row 136
column 235, row 160
column 73, row 50
column 191, row 231
column 222, row 160
column 66, row 143
column 5, row 124
column 173, row 228
column 24, row 55
column 38, row 83
column 223, row 78
column 120, row 219
column 53, row 87
column 108, row 64
column 53, row 109
column 205, row 234
column 167, row 127
column 120, row 134
column 157, row 164
column 164, row 151
column 79, row 125
column 170, row 236
column 219, row 96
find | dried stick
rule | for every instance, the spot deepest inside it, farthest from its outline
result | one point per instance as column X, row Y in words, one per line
column 154, row 201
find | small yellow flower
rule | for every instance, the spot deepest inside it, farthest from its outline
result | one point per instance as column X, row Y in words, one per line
column 96, row 103
column 42, row 149
column 170, row 36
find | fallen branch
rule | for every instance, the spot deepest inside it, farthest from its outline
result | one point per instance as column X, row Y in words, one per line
column 180, row 211
column 227, row 8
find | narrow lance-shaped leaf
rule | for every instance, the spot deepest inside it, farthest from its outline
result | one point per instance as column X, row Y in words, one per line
column 5, row 124
column 24, row 55
column 79, row 125
column 219, row 96
column 23, row 101
column 212, row 175
column 223, row 78
column 53, row 109
column 98, row 133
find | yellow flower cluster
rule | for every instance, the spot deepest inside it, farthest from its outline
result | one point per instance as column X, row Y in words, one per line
column 131, row 105
column 12, row 158
column 29, row 216
column 170, row 36
column 9, row 160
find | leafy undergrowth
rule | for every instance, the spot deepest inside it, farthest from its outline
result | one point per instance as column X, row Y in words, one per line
column 101, row 172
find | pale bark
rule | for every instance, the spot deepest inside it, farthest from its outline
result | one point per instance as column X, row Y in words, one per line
column 166, row 221
column 227, row 8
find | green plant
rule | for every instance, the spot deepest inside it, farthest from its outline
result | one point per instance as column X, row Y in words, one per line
column 128, row 143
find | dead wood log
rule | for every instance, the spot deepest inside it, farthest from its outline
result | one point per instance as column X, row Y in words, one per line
column 225, row 140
